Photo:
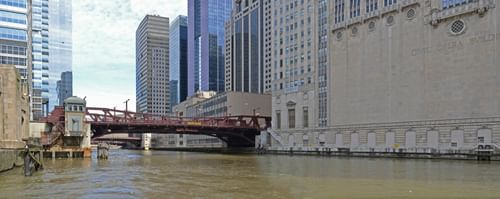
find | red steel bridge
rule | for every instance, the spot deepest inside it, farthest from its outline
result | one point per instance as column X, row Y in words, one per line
column 236, row 131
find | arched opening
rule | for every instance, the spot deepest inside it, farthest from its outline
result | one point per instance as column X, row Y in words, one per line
column 339, row 140
column 433, row 139
column 372, row 141
column 291, row 140
column 322, row 139
column 411, row 139
column 390, row 139
column 305, row 140
column 484, row 136
column 354, row 139
column 457, row 139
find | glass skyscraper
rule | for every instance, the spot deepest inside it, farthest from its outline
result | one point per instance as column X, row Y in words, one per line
column 178, row 60
column 14, row 34
column 206, row 44
column 40, row 39
column 247, row 49
column 14, row 38
column 51, row 52
column 60, row 51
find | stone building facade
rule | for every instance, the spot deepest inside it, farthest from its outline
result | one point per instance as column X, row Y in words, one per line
column 294, row 46
column 15, row 117
column 407, row 76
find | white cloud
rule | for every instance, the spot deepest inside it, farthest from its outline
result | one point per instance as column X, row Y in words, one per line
column 104, row 46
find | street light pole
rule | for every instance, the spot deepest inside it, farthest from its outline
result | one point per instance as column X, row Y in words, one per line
column 126, row 105
column 126, row 108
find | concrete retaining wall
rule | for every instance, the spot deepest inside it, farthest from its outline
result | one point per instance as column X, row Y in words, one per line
column 454, row 139
column 9, row 159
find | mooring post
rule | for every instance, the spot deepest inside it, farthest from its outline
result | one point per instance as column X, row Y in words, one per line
column 27, row 162
column 102, row 151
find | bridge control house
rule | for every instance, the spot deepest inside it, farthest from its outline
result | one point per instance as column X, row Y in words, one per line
column 65, row 133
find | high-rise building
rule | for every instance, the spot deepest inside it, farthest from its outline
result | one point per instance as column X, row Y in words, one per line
column 47, row 26
column 178, row 60
column 60, row 51
column 64, row 87
column 152, row 66
column 418, row 77
column 40, row 39
column 206, row 44
column 14, row 34
column 15, row 44
column 248, row 47
column 294, row 49
column 174, row 96
column 52, row 51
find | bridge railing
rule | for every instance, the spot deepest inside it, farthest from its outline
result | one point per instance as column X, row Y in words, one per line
column 115, row 117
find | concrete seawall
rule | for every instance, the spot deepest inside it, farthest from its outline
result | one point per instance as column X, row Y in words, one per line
column 9, row 159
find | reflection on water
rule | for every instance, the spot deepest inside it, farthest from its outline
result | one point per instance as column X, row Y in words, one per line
column 159, row 174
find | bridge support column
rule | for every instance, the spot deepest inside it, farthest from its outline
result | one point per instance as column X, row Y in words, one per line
column 146, row 141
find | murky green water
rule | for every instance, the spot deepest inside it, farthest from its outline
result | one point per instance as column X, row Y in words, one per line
column 160, row 174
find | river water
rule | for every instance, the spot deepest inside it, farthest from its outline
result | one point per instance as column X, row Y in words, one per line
column 161, row 174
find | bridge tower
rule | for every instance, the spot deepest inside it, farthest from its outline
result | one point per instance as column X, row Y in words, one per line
column 77, row 132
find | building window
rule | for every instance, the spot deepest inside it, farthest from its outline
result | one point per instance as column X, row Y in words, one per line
column 306, row 117
column 339, row 11
column 278, row 120
column 371, row 5
column 390, row 2
column 355, row 8
column 291, row 118
column 453, row 3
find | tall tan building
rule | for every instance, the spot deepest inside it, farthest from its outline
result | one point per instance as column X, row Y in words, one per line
column 412, row 75
column 294, row 48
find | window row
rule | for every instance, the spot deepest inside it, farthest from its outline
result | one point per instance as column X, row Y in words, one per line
column 13, row 50
column 292, row 118
column 13, row 34
column 12, row 17
column 13, row 61
column 14, row 3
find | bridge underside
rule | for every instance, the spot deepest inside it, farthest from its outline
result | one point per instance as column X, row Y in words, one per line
column 233, row 137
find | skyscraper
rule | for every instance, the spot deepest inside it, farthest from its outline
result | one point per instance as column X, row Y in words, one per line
column 40, row 40
column 60, row 51
column 206, row 44
column 248, row 47
column 52, row 50
column 152, row 66
column 14, row 29
column 64, row 87
column 294, row 49
column 178, row 60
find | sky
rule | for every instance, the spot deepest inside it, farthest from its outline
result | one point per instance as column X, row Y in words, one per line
column 104, row 47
